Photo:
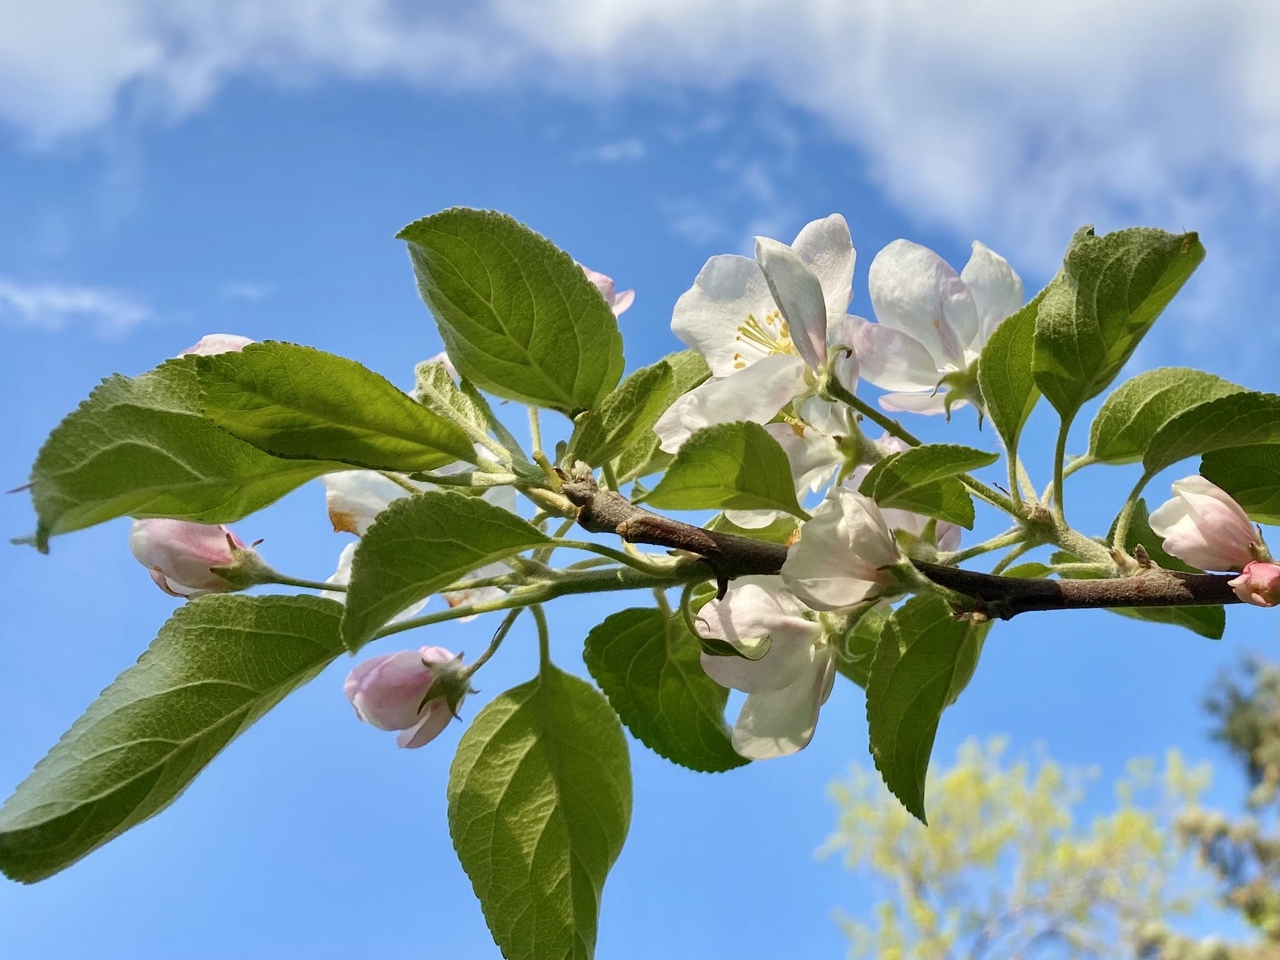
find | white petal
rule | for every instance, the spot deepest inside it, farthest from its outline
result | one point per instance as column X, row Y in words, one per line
column 355, row 497
column 914, row 290
column 827, row 249
column 798, row 295
column 893, row 360
column 995, row 287
column 752, row 519
column 780, row 722
column 842, row 334
column 727, row 291
column 756, row 393
column 814, row 456
column 838, row 559
column 780, row 667
column 920, row 402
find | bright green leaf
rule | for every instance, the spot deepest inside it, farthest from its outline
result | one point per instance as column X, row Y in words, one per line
column 624, row 418
column 294, row 401
column 1251, row 475
column 1141, row 406
column 420, row 544
column 539, row 806
column 924, row 659
column 1109, row 293
column 1239, row 420
column 924, row 480
column 140, row 447
column 688, row 370
column 649, row 666
column 517, row 315
column 218, row 664
column 858, row 652
column 734, row 466
column 1009, row 390
column 436, row 389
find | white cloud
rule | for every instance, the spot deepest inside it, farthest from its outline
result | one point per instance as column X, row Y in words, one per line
column 51, row 307
column 246, row 290
column 1009, row 120
column 630, row 150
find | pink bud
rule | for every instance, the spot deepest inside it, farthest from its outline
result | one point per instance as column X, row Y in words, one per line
column 1259, row 584
column 618, row 302
column 1203, row 526
column 387, row 693
column 213, row 343
column 179, row 555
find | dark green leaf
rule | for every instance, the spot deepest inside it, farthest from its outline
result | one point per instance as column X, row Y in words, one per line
column 421, row 544
column 518, row 317
column 1239, row 420
column 735, row 466
column 539, row 806
column 1109, row 293
column 624, row 418
column 140, row 447
column 294, row 401
column 1251, row 475
column 1009, row 390
column 649, row 666
column 923, row 661
column 1141, row 406
column 218, row 665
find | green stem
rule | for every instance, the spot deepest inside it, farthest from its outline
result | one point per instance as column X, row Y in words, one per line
column 400, row 481
column 1125, row 518
column 499, row 635
column 630, row 560
column 544, row 637
column 1007, row 539
column 1004, row 562
column 535, row 431
column 287, row 581
column 686, row 611
column 1076, row 464
column 660, row 598
column 610, row 477
column 1059, row 455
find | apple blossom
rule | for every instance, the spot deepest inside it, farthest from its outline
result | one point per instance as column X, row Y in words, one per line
column 788, row 685
column 618, row 302
column 1203, row 526
column 765, row 327
column 181, row 555
column 215, row 343
column 1258, row 584
column 387, row 692
column 933, row 323
column 845, row 554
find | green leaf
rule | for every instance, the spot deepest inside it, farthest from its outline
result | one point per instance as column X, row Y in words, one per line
column 924, row 480
column 539, row 806
column 1009, row 390
column 421, row 544
column 140, row 447
column 435, row 388
column 624, row 418
column 517, row 315
column 218, row 664
column 294, row 401
column 734, row 466
column 688, row 370
column 1239, row 420
column 858, row 652
column 1109, row 293
column 1251, row 475
column 1141, row 406
column 923, row 661
column 649, row 666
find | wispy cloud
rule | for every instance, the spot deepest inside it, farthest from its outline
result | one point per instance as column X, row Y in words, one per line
column 690, row 219
column 52, row 307
column 246, row 290
column 629, row 150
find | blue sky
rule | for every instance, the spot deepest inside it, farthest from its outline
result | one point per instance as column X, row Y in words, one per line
column 166, row 172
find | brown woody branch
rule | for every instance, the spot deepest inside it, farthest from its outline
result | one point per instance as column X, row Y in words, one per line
column 730, row 556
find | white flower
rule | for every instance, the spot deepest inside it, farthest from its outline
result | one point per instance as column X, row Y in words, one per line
column 788, row 685
column 933, row 322
column 1204, row 526
column 843, row 554
column 946, row 534
column 764, row 327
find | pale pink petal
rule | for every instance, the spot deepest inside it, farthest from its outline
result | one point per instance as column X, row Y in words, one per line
column 1203, row 526
column 931, row 403
column 891, row 359
column 995, row 287
column 915, row 291
column 839, row 558
column 623, row 301
column 799, row 297
column 214, row 343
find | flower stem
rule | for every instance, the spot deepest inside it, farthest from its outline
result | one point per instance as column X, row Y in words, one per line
column 1059, row 455
column 287, row 581
column 400, row 481
column 499, row 635
column 1125, row 517
column 1007, row 539
column 544, row 637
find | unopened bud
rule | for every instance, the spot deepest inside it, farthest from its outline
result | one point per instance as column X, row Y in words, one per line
column 191, row 559
column 1259, row 584
column 415, row 691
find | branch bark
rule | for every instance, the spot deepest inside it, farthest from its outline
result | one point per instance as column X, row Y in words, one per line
column 730, row 556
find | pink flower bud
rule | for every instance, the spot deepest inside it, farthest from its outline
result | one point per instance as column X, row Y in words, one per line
column 213, row 343
column 387, row 692
column 1203, row 526
column 618, row 302
column 1259, row 584
column 180, row 555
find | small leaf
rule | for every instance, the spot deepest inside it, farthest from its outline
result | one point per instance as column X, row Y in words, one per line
column 735, row 466
column 1251, row 475
column 517, row 315
column 218, row 665
column 294, row 401
column 924, row 480
column 1141, row 406
column 1009, row 390
column 1109, row 293
column 623, row 418
column 649, row 667
column 435, row 389
column 1239, row 420
column 140, row 447
column 923, row 661
column 539, row 806
column 688, row 370
column 421, row 544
